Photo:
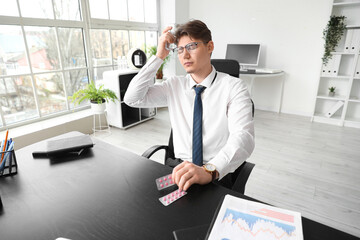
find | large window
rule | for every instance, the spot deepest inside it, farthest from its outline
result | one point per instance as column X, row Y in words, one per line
column 51, row 48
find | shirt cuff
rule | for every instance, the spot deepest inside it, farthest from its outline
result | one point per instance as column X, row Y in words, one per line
column 221, row 167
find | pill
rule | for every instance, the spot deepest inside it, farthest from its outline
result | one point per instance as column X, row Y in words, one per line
column 161, row 185
column 166, row 184
column 165, row 178
column 160, row 180
column 172, row 197
column 170, row 177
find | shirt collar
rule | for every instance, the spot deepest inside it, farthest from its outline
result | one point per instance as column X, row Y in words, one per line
column 206, row 82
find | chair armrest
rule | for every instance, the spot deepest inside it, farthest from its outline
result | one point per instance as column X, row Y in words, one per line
column 244, row 173
column 148, row 153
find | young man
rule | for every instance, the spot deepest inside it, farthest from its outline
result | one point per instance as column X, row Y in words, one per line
column 226, row 126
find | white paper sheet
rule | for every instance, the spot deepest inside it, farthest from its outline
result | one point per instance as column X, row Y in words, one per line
column 242, row 219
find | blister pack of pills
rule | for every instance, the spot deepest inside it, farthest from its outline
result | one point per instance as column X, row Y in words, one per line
column 164, row 182
column 172, row 197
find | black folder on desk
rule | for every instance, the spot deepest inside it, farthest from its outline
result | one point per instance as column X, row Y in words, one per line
column 194, row 233
column 199, row 232
column 60, row 147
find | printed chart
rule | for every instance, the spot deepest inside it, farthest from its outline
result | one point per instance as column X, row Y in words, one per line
column 242, row 219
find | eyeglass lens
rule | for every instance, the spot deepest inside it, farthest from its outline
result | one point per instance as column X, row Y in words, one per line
column 189, row 47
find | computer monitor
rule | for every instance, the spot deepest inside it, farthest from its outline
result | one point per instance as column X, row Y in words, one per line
column 245, row 54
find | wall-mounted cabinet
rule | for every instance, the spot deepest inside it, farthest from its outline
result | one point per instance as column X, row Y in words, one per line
column 342, row 72
column 119, row 114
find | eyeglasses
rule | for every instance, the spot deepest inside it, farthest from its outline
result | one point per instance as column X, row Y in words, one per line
column 189, row 47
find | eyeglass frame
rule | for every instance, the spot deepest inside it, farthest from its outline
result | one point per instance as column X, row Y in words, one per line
column 187, row 47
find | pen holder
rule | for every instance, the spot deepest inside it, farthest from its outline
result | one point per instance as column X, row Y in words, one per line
column 8, row 165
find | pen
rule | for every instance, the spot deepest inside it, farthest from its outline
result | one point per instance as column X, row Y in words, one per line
column 5, row 143
column 11, row 147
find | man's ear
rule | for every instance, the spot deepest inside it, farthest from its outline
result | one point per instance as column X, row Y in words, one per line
column 210, row 46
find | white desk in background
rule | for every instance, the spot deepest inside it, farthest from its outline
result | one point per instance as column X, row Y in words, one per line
column 276, row 75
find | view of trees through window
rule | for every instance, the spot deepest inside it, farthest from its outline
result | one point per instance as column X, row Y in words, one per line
column 57, row 53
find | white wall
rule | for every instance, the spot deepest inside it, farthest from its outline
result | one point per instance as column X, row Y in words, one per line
column 290, row 32
column 173, row 12
column 182, row 15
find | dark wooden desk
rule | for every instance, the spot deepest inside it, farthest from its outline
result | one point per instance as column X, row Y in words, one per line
column 108, row 193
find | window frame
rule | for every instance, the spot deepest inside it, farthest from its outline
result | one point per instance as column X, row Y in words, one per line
column 86, row 23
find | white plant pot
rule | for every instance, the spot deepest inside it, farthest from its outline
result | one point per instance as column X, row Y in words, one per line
column 98, row 108
column 159, row 80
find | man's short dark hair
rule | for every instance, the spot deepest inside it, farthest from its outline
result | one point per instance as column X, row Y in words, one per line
column 194, row 29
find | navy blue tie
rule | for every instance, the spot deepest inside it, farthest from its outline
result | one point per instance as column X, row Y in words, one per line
column 197, row 154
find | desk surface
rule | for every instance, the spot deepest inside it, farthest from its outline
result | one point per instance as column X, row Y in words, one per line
column 108, row 193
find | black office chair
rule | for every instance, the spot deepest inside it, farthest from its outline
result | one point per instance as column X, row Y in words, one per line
column 232, row 68
column 243, row 172
column 228, row 66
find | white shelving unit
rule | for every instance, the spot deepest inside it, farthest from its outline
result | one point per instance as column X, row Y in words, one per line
column 119, row 114
column 343, row 73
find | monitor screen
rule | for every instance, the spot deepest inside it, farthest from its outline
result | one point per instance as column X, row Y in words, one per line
column 245, row 54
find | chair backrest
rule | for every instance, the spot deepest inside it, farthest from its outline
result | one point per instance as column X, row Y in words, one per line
column 228, row 66
column 232, row 68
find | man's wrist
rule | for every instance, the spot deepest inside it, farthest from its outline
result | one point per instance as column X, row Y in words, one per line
column 161, row 56
column 210, row 173
column 211, row 169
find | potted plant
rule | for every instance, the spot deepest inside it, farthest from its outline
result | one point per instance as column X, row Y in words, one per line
column 332, row 35
column 332, row 91
column 96, row 96
column 152, row 51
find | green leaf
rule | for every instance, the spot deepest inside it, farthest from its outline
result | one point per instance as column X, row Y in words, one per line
column 152, row 51
column 332, row 35
column 91, row 93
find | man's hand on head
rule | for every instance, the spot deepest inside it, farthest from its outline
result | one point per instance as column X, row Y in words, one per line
column 187, row 174
column 165, row 38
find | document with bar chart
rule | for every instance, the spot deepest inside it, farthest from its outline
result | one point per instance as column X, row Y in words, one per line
column 242, row 219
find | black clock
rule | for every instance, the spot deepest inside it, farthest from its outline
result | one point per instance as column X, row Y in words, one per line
column 136, row 58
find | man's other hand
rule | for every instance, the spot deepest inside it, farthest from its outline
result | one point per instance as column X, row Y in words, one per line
column 165, row 38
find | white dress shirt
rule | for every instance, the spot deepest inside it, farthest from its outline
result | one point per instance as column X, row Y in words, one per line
column 228, row 127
